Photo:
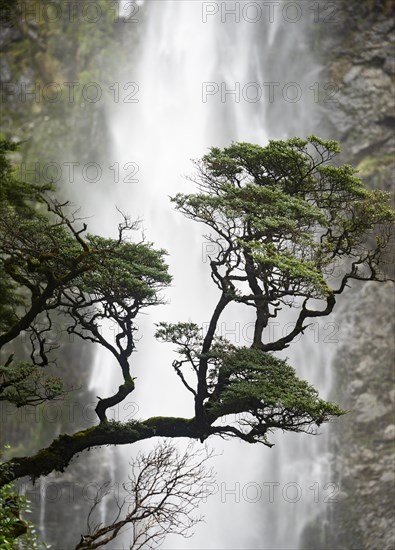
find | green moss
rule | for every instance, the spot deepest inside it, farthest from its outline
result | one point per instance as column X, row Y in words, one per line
column 370, row 165
column 62, row 50
column 164, row 421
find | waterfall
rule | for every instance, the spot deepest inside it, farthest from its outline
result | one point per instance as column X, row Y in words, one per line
column 208, row 73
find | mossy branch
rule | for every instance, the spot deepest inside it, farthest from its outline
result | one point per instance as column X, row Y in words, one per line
column 58, row 455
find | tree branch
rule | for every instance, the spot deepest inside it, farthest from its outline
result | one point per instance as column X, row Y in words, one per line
column 58, row 455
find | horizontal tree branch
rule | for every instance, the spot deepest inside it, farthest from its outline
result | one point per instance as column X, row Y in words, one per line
column 58, row 455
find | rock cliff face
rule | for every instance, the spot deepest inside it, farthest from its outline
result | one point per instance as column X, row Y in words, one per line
column 363, row 442
column 359, row 51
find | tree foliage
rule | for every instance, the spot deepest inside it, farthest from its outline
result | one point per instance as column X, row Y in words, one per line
column 285, row 220
column 16, row 533
column 50, row 267
column 291, row 230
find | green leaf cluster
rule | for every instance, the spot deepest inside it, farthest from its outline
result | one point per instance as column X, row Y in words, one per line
column 50, row 265
column 25, row 384
column 122, row 271
column 287, row 213
column 268, row 388
column 16, row 533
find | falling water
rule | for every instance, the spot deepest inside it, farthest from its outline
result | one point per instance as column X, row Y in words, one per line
column 43, row 500
column 206, row 77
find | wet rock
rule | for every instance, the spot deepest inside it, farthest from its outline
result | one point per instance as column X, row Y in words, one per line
column 355, row 387
column 388, row 477
column 368, row 408
column 389, row 433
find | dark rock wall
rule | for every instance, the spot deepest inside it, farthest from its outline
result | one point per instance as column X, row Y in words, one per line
column 358, row 49
column 363, row 441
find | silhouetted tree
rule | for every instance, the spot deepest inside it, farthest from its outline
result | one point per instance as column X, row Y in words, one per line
column 164, row 489
column 288, row 225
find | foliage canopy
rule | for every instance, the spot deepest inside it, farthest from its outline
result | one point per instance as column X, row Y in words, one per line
column 291, row 230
